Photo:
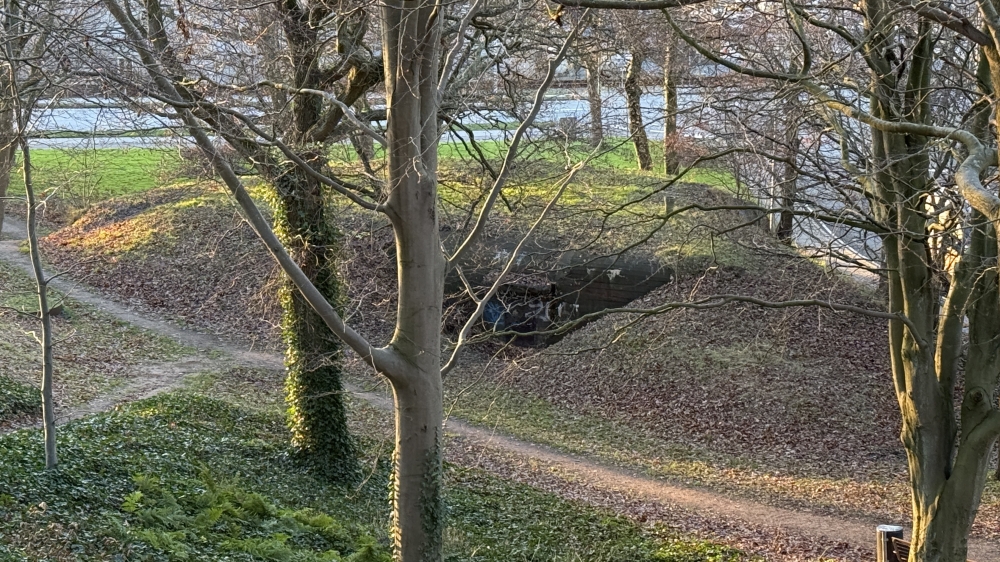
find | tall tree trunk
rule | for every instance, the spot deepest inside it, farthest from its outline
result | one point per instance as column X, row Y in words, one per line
column 947, row 471
column 633, row 100
column 313, row 357
column 947, row 496
column 671, row 161
column 7, row 152
column 788, row 187
column 41, row 286
column 411, row 44
column 8, row 146
column 593, row 66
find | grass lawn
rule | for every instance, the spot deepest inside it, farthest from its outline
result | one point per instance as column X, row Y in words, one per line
column 83, row 177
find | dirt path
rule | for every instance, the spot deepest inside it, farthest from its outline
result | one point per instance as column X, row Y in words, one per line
column 570, row 475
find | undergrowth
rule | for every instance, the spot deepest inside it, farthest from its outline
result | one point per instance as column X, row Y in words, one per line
column 18, row 399
column 179, row 477
column 184, row 477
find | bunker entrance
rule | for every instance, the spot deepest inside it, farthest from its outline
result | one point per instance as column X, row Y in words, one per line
column 549, row 287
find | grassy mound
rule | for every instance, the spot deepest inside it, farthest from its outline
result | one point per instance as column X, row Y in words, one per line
column 182, row 250
column 806, row 387
column 808, row 384
column 793, row 406
column 183, row 477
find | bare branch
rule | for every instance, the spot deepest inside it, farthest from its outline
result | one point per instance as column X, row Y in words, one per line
column 511, row 261
column 717, row 301
column 383, row 359
column 628, row 4
column 508, row 161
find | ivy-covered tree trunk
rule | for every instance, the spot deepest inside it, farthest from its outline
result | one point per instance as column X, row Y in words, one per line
column 313, row 357
column 633, row 100
column 314, row 391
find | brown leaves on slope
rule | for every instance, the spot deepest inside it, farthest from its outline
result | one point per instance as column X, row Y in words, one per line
column 807, row 388
column 186, row 252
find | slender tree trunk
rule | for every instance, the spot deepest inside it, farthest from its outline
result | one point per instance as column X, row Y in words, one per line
column 788, row 188
column 8, row 147
column 41, row 286
column 411, row 45
column 593, row 66
column 671, row 161
column 7, row 152
column 633, row 95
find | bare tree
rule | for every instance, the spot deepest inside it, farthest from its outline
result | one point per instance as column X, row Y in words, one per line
column 411, row 37
column 27, row 73
column 913, row 100
column 24, row 39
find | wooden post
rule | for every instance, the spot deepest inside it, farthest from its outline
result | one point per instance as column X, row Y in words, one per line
column 883, row 546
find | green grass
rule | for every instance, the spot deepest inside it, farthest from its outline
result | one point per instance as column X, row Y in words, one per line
column 614, row 155
column 184, row 477
column 26, row 301
column 83, row 177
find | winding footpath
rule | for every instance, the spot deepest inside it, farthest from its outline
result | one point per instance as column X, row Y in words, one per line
column 740, row 521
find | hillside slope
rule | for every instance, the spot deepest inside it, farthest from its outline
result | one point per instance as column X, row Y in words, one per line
column 807, row 387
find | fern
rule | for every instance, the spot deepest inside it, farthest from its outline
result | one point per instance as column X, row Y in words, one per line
column 217, row 516
column 132, row 502
column 170, row 542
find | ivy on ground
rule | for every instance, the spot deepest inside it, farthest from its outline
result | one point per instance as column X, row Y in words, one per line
column 180, row 477
column 18, row 399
